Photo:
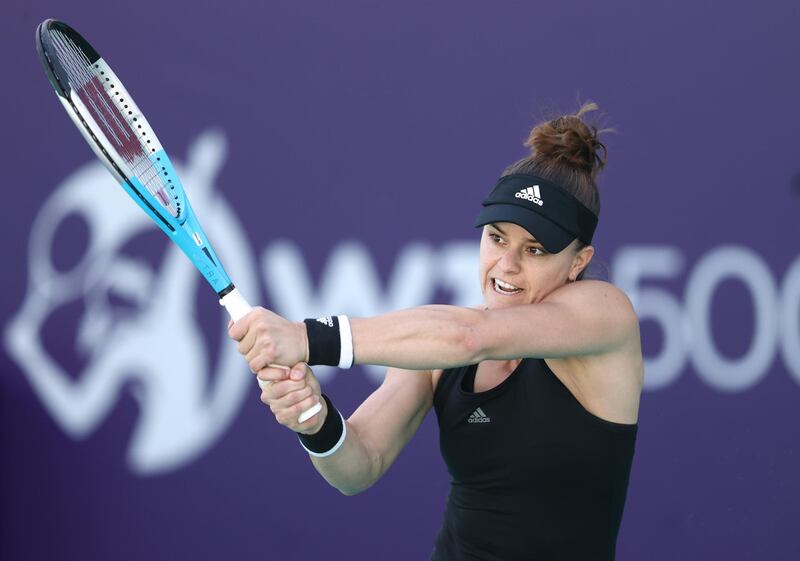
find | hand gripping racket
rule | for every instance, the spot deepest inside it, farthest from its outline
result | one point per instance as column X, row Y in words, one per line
column 122, row 139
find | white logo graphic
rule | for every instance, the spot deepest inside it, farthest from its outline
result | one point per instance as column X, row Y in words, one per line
column 531, row 194
column 478, row 416
column 326, row 321
column 153, row 346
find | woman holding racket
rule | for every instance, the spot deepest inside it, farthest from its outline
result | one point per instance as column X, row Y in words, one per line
column 536, row 392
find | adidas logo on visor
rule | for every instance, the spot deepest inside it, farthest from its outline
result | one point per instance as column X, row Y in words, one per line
column 531, row 194
column 478, row 416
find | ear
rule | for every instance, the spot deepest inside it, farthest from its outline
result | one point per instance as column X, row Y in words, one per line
column 580, row 262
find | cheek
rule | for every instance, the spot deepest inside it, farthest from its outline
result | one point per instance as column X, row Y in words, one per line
column 485, row 260
column 483, row 272
column 542, row 273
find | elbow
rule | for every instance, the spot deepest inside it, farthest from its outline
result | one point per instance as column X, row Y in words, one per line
column 349, row 488
column 351, row 491
column 352, row 488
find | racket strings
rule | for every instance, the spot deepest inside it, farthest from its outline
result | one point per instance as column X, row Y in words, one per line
column 150, row 177
column 86, row 82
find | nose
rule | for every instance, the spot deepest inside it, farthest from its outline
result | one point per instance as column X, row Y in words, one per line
column 509, row 262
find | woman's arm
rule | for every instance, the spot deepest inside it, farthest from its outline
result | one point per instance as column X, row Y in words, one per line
column 376, row 432
column 581, row 318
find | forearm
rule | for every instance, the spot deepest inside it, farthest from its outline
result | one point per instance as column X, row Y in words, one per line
column 424, row 338
column 353, row 467
column 378, row 430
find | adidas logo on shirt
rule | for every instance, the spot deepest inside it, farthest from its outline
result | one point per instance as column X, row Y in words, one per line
column 326, row 321
column 478, row 416
column 531, row 194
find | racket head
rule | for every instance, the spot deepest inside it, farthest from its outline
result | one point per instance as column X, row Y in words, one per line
column 123, row 140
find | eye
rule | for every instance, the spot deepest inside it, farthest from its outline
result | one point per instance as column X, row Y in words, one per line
column 495, row 238
column 536, row 251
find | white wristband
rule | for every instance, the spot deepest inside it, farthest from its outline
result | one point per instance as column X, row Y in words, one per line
column 335, row 446
column 346, row 356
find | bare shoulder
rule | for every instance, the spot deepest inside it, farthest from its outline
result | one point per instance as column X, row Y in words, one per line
column 596, row 292
column 598, row 296
column 607, row 384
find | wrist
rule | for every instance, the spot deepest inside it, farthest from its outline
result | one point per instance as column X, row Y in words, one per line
column 320, row 418
column 329, row 341
column 330, row 436
column 303, row 333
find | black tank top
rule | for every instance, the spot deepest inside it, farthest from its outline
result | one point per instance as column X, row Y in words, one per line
column 535, row 476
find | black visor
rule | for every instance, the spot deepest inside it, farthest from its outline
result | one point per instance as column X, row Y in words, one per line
column 545, row 210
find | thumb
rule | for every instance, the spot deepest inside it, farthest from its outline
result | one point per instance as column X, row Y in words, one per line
column 298, row 371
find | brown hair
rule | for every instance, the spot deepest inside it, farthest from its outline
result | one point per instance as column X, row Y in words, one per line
column 566, row 150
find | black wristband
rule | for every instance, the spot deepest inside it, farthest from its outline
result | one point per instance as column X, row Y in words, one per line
column 330, row 437
column 324, row 341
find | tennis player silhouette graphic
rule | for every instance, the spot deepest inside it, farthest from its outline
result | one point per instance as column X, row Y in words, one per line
column 153, row 344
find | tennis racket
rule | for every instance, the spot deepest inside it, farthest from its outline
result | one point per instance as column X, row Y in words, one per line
column 124, row 141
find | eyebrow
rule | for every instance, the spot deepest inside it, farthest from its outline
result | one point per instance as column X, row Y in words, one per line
column 499, row 229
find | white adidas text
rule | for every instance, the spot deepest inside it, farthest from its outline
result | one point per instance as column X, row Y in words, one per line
column 531, row 194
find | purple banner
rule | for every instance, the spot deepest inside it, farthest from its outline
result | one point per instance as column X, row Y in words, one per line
column 336, row 154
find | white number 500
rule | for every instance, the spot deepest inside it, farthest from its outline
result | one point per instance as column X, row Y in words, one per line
column 686, row 327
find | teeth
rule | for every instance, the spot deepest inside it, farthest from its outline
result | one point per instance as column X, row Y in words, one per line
column 504, row 287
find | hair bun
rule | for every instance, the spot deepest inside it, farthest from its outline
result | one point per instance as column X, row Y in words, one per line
column 570, row 141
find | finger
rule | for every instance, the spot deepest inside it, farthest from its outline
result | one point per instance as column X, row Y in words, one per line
column 269, row 395
column 273, row 373
column 248, row 340
column 258, row 359
column 289, row 416
column 290, row 399
column 298, row 371
column 239, row 328
column 279, row 390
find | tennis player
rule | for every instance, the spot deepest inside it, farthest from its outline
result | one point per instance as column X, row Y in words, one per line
column 536, row 392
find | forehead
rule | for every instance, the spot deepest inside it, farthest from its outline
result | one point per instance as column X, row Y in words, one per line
column 511, row 230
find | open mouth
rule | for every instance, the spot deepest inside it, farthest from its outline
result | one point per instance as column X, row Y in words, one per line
column 505, row 288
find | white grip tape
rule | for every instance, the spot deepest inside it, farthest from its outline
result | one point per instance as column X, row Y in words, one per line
column 238, row 307
column 308, row 413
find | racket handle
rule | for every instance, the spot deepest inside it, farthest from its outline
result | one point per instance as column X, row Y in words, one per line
column 238, row 307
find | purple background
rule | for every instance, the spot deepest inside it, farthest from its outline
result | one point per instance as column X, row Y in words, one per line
column 386, row 123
